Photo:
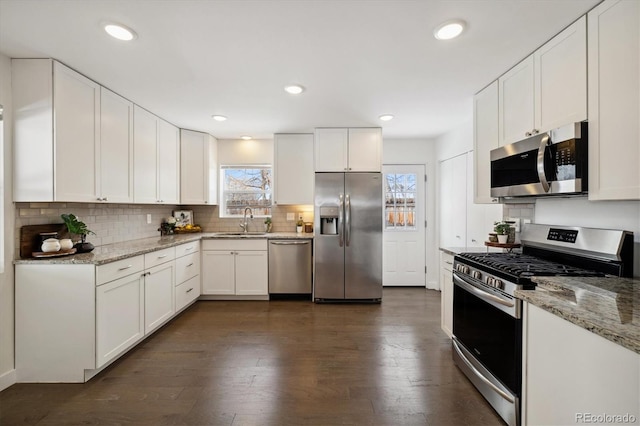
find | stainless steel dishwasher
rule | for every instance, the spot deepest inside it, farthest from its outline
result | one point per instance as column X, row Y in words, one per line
column 290, row 266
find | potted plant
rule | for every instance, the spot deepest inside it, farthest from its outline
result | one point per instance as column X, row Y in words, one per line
column 267, row 224
column 299, row 225
column 76, row 227
column 502, row 229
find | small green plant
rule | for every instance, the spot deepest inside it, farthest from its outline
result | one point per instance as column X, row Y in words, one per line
column 75, row 226
column 300, row 222
column 501, row 228
column 267, row 221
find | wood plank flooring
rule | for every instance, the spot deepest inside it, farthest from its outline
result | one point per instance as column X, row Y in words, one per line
column 274, row 363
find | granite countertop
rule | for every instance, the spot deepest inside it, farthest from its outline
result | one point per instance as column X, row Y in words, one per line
column 606, row 306
column 117, row 251
column 453, row 250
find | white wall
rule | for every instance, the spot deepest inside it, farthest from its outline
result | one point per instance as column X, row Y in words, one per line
column 457, row 141
column 7, row 372
column 594, row 214
column 238, row 151
column 420, row 151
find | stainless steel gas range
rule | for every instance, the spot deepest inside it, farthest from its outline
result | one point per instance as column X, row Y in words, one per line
column 487, row 317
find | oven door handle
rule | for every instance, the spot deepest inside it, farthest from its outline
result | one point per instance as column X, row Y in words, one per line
column 481, row 294
column 479, row 375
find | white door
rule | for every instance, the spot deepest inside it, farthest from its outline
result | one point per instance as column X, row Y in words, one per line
column 403, row 257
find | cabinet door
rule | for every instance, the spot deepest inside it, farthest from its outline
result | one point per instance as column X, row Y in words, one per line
column 331, row 150
column 252, row 273
column 453, row 201
column 614, row 101
column 213, row 170
column 116, row 148
column 168, row 163
column 480, row 217
column 516, row 102
column 218, row 272
column 159, row 295
column 446, row 287
column 485, row 138
column 294, row 175
column 145, row 155
column 365, row 150
column 76, row 105
column 194, row 167
column 561, row 78
column 119, row 316
column 187, row 292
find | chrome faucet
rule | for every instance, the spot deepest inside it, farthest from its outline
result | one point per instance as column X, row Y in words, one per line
column 245, row 223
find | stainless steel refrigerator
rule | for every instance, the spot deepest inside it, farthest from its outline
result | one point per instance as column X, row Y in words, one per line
column 348, row 237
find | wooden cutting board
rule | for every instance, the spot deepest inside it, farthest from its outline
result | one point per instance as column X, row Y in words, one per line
column 30, row 237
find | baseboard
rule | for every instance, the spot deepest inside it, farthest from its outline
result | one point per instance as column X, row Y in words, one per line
column 7, row 379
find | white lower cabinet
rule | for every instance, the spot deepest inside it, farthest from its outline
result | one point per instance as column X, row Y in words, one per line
column 119, row 316
column 570, row 373
column 235, row 268
column 74, row 319
column 159, row 295
column 446, row 289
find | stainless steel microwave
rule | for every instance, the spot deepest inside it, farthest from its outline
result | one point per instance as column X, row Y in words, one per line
column 551, row 163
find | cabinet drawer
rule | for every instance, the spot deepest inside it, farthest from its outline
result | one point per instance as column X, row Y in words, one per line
column 446, row 261
column 187, row 292
column 233, row 244
column 188, row 248
column 159, row 257
column 119, row 269
column 187, row 267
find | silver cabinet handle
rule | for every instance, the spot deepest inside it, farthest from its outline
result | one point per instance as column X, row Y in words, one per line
column 535, row 131
column 448, row 263
column 189, row 290
column 191, row 264
column 527, row 134
column 189, row 248
column 163, row 256
column 125, row 268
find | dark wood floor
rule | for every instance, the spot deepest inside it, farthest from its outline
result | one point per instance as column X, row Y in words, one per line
column 274, row 363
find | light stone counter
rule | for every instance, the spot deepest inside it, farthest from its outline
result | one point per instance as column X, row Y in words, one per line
column 117, row 251
column 608, row 307
column 454, row 250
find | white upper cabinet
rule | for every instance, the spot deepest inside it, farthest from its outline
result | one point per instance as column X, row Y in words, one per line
column 485, row 138
column 348, row 150
column 56, row 137
column 614, row 101
column 516, row 105
column 561, row 78
column 116, row 148
column 453, row 202
column 546, row 90
column 156, row 159
column 294, row 177
column 198, row 168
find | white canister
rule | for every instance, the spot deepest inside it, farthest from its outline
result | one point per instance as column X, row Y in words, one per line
column 66, row 244
column 50, row 244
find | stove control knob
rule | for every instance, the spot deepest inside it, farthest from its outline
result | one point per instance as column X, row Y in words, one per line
column 499, row 284
column 466, row 270
column 477, row 275
column 490, row 281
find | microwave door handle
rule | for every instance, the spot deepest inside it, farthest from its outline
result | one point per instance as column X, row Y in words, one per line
column 544, row 142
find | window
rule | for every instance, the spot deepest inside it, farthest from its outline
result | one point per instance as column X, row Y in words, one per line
column 245, row 186
column 400, row 201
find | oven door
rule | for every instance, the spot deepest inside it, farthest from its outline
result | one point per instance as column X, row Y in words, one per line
column 487, row 343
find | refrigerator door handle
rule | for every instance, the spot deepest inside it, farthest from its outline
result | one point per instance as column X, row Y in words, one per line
column 341, row 220
column 347, row 221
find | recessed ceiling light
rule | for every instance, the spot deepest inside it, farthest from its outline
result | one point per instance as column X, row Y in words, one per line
column 386, row 117
column 219, row 117
column 294, row 89
column 120, row 32
column 449, row 29
column 245, row 138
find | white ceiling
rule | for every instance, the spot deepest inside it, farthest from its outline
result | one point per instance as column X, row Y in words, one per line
column 358, row 59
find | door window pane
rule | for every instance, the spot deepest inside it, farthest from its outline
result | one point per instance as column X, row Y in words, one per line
column 400, row 201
